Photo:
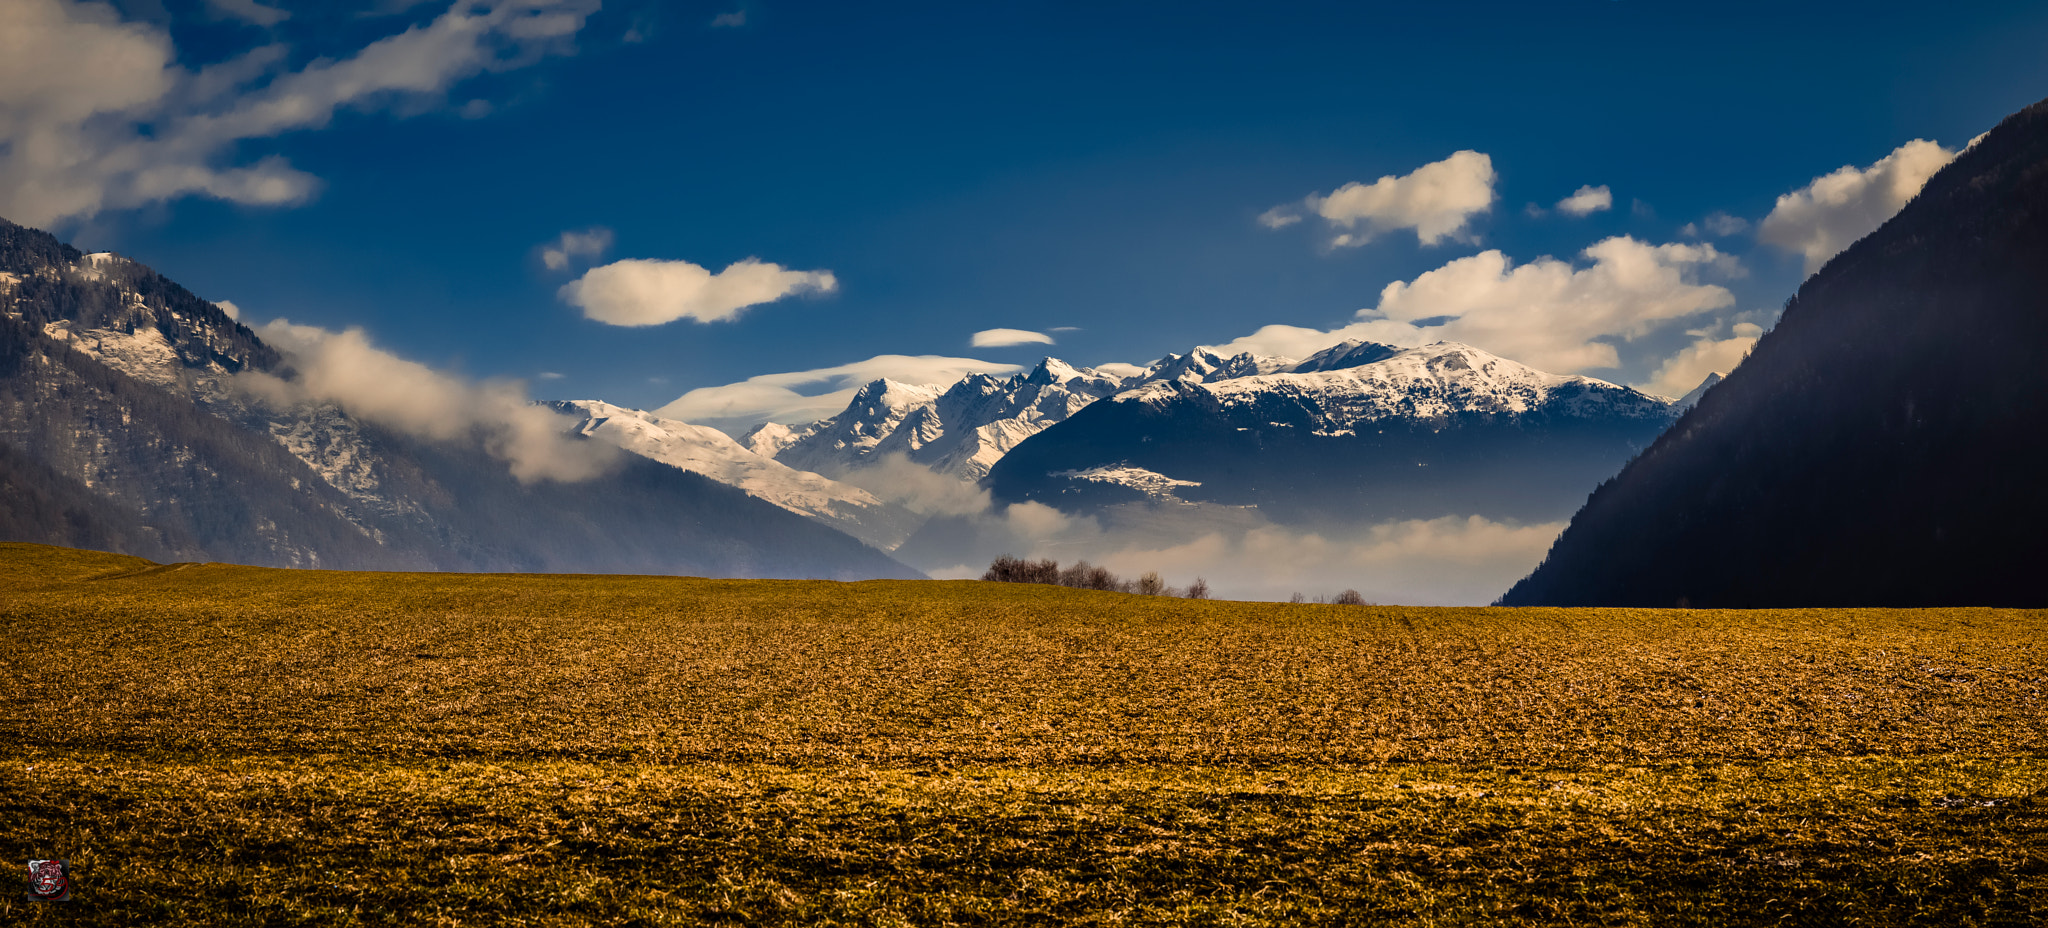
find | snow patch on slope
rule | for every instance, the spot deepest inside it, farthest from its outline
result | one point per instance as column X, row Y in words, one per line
column 1152, row 483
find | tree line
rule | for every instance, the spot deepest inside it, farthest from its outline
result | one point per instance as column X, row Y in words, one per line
column 1082, row 575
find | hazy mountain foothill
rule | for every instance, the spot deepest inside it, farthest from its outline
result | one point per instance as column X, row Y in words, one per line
column 1885, row 445
column 119, row 412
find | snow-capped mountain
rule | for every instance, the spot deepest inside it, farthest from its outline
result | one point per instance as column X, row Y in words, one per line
column 714, row 454
column 1444, row 429
column 134, row 417
column 1436, row 381
column 960, row 430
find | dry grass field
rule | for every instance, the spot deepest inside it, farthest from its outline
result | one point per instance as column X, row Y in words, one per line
column 220, row 745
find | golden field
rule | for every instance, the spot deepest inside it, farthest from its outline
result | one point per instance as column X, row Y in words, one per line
column 221, row 745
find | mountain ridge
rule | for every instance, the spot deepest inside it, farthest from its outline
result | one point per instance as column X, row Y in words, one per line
column 1442, row 429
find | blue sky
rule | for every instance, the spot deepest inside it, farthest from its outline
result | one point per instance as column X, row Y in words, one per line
column 1095, row 172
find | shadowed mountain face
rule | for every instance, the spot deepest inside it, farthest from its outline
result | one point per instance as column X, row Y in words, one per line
column 1441, row 430
column 122, row 428
column 1885, row 445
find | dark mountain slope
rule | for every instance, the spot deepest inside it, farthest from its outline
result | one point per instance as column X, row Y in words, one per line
column 39, row 504
column 186, row 480
column 1885, row 445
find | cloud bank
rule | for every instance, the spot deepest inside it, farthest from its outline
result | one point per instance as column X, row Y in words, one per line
column 804, row 396
column 1437, row 201
column 95, row 113
column 1831, row 213
column 1547, row 313
column 1004, row 338
column 1454, row 560
column 345, row 369
column 645, row 291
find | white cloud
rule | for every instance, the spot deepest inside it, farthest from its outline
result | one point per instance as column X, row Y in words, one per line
column 1280, row 217
column 1437, row 201
column 248, row 11
column 1683, row 371
column 1586, row 201
column 1295, row 341
column 644, row 291
column 1547, row 313
column 896, row 478
column 732, row 20
column 589, row 243
column 1004, row 338
column 344, row 369
column 803, row 396
column 1827, row 215
column 1120, row 369
column 234, row 312
column 95, row 114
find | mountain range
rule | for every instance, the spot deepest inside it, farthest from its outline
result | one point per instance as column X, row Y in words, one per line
column 133, row 416
column 1360, row 433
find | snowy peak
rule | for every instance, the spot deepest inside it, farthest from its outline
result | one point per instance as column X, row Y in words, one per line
column 1053, row 371
column 879, row 398
column 960, row 430
column 1201, row 365
column 769, row 438
column 1692, row 398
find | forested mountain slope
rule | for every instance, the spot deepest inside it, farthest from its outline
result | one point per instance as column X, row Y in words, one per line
column 1885, row 445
